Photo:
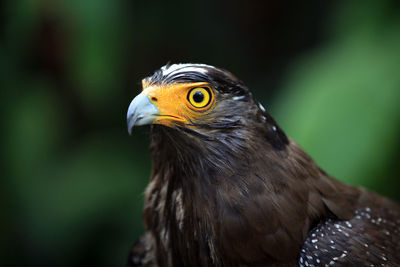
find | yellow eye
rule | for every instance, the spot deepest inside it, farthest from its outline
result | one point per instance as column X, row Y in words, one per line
column 199, row 97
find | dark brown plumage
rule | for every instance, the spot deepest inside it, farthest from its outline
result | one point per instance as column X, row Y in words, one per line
column 228, row 188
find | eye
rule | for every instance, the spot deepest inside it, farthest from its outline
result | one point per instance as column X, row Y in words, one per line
column 199, row 97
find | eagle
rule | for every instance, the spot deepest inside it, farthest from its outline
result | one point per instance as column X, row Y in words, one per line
column 229, row 188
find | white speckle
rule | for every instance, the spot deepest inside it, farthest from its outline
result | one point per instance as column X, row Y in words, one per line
column 366, row 245
column 180, row 212
column 317, row 260
column 316, row 247
column 349, row 224
column 303, row 250
column 261, row 107
column 301, row 260
column 136, row 260
column 314, row 241
column 333, row 247
column 358, row 217
column 306, row 263
column 166, row 70
column 335, row 258
column 322, row 235
column 313, row 235
column 346, row 234
column 367, row 209
column 384, row 258
column 332, row 263
column 309, row 257
column 238, row 97
column 343, row 255
column 332, row 242
column 263, row 118
column 387, row 232
column 337, row 226
column 274, row 128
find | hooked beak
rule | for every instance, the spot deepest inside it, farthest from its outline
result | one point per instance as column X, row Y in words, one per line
column 141, row 112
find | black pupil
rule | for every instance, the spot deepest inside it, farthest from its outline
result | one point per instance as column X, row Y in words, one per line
column 198, row 97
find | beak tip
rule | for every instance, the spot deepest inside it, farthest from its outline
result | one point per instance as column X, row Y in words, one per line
column 140, row 112
column 130, row 121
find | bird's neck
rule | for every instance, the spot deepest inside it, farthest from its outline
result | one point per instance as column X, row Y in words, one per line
column 204, row 195
column 183, row 195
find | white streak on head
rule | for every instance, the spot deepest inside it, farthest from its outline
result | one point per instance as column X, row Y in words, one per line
column 238, row 97
column 176, row 68
column 261, row 107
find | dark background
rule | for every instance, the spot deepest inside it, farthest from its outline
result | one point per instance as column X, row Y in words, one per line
column 72, row 179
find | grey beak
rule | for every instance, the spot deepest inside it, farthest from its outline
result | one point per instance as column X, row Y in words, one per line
column 141, row 112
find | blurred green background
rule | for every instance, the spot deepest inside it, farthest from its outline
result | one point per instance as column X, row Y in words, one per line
column 72, row 179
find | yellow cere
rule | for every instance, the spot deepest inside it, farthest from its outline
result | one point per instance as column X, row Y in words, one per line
column 180, row 102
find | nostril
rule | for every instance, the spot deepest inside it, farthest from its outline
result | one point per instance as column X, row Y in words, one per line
column 154, row 99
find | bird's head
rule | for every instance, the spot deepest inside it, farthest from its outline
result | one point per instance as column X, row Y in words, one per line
column 199, row 100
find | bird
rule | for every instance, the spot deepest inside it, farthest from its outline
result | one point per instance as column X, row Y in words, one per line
column 229, row 188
